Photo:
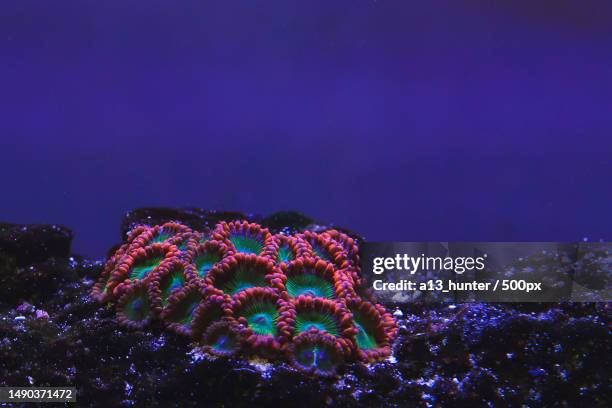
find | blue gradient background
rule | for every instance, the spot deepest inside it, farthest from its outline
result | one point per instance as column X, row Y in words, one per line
column 433, row 120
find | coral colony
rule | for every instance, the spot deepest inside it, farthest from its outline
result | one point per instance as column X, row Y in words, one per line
column 240, row 290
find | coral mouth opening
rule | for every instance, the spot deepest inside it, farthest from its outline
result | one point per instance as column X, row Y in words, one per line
column 316, row 356
column 222, row 338
column 134, row 307
column 309, row 284
column 316, row 353
column 261, row 317
column 137, row 308
column 223, row 342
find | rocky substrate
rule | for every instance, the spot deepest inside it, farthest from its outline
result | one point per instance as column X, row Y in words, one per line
column 53, row 334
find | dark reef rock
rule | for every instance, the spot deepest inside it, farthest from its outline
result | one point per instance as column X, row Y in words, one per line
column 472, row 355
column 34, row 243
column 194, row 218
column 34, row 261
column 200, row 220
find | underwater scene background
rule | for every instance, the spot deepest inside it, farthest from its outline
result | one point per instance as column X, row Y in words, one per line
column 387, row 121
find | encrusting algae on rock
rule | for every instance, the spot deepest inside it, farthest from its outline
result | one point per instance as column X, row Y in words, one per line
column 238, row 290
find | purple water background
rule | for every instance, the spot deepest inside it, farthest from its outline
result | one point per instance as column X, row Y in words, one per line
column 433, row 120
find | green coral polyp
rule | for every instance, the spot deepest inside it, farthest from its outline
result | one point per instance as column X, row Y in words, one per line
column 222, row 338
column 246, row 244
column 144, row 267
column 285, row 254
column 261, row 318
column 183, row 314
column 309, row 284
column 223, row 342
column 206, row 261
column 175, row 280
column 321, row 252
column 243, row 278
column 169, row 232
column 316, row 356
column 323, row 322
column 137, row 308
